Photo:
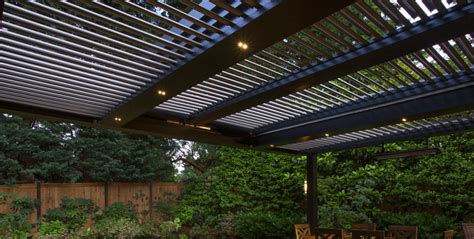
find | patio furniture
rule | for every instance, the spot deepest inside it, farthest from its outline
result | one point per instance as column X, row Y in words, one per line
column 449, row 234
column 403, row 232
column 302, row 230
column 326, row 233
column 468, row 229
column 367, row 234
column 364, row 226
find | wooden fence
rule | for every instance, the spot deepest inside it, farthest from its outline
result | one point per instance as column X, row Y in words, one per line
column 143, row 196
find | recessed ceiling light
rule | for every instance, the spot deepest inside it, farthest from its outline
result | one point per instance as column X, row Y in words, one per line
column 160, row 92
column 242, row 45
column 118, row 119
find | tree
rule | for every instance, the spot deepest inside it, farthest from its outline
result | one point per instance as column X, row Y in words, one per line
column 61, row 152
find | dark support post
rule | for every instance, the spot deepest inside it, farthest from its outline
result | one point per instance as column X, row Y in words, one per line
column 312, row 192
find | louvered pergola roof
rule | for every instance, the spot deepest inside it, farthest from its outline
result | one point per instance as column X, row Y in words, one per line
column 316, row 76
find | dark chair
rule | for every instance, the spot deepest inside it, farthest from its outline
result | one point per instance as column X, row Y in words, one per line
column 367, row 234
column 325, row 233
column 468, row 229
column 364, row 226
column 449, row 234
column 302, row 230
column 403, row 232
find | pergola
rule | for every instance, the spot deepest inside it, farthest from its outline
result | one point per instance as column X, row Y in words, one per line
column 296, row 76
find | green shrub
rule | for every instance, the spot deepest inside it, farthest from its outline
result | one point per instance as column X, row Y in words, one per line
column 149, row 229
column 14, row 226
column 340, row 217
column 255, row 224
column 166, row 209
column 430, row 226
column 117, row 228
column 85, row 205
column 53, row 229
column 226, row 225
column 73, row 213
column 169, row 228
column 200, row 231
column 118, row 210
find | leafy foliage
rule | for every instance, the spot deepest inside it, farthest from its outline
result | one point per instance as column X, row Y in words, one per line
column 434, row 192
column 15, row 224
column 53, row 229
column 268, row 224
column 118, row 210
column 73, row 213
column 117, row 228
column 59, row 152
column 168, row 229
column 246, row 192
column 244, row 180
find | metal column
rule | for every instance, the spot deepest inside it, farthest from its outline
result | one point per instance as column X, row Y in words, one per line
column 312, row 193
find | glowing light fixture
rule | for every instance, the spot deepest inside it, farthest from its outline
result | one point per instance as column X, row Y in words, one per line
column 404, row 120
column 161, row 92
column 242, row 45
column 326, row 134
column 118, row 119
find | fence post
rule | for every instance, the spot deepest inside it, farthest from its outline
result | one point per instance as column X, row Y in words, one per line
column 38, row 198
column 106, row 194
column 150, row 199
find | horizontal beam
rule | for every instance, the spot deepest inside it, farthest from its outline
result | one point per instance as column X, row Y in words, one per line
column 179, row 117
column 407, row 153
column 453, row 128
column 453, row 94
column 35, row 112
column 146, row 125
column 279, row 19
column 438, row 29
column 141, row 125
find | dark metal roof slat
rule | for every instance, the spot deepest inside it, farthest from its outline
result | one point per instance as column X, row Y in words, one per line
column 346, row 30
column 206, row 12
column 224, row 5
column 186, row 16
column 146, row 24
column 164, row 20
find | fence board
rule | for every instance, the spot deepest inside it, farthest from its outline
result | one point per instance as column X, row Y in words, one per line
column 136, row 194
column 52, row 193
column 166, row 193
